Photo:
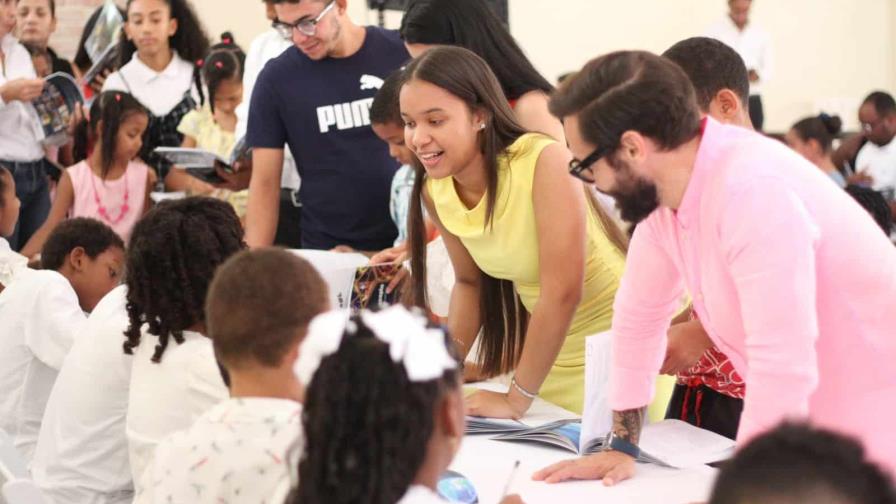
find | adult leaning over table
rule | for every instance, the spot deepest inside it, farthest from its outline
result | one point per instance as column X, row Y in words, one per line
column 525, row 244
column 793, row 280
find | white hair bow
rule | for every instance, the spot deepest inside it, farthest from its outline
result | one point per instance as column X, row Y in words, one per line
column 420, row 349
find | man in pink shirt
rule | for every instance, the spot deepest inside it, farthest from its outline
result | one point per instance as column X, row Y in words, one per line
column 789, row 276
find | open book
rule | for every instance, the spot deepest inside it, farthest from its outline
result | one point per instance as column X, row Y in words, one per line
column 201, row 163
column 670, row 443
column 54, row 108
column 352, row 281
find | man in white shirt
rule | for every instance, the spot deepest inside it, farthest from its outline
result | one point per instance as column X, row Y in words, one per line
column 82, row 451
column 245, row 448
column 755, row 47
column 265, row 47
column 39, row 315
column 875, row 163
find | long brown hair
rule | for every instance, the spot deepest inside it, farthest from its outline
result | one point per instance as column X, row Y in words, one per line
column 466, row 76
column 504, row 318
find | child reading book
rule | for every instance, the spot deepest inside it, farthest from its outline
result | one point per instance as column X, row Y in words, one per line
column 257, row 312
column 111, row 185
column 39, row 314
column 212, row 126
column 383, row 413
column 174, row 379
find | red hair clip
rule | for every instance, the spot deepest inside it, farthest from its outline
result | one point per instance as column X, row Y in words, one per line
column 228, row 40
column 118, row 97
column 200, row 62
column 219, row 65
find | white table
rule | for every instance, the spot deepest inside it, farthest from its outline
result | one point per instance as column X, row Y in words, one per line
column 488, row 465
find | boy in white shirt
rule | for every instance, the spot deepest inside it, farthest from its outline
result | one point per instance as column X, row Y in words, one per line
column 244, row 449
column 41, row 311
column 175, row 378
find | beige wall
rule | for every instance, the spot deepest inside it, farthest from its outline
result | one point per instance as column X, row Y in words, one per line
column 829, row 53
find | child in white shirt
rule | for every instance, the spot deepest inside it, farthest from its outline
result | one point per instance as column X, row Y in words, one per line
column 163, row 39
column 175, row 378
column 244, row 449
column 383, row 412
column 82, row 453
column 10, row 262
column 41, row 311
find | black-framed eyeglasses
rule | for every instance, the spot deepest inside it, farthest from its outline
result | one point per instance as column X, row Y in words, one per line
column 307, row 27
column 582, row 169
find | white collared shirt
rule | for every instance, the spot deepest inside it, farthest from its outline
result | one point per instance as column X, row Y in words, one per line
column 265, row 47
column 82, row 451
column 161, row 91
column 39, row 316
column 242, row 450
column 11, row 263
column 169, row 396
column 879, row 162
column 19, row 133
column 752, row 43
column 419, row 494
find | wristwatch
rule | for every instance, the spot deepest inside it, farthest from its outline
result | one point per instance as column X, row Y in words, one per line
column 619, row 444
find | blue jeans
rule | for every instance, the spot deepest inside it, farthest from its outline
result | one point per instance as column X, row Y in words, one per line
column 34, row 193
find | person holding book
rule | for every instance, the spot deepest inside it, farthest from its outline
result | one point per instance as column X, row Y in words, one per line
column 83, row 61
column 112, row 185
column 536, row 266
column 20, row 149
column 40, row 313
column 258, row 309
column 36, row 22
column 180, row 245
column 792, row 279
column 162, row 41
column 402, row 380
column 211, row 127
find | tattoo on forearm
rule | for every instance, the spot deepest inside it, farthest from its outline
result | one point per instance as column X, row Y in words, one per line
column 627, row 424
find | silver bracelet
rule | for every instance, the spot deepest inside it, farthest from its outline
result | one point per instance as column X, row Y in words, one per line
column 521, row 390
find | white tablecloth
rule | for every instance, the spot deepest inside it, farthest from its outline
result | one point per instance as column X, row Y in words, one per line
column 488, row 464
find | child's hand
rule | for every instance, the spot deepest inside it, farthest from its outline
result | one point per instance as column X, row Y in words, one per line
column 21, row 90
column 236, row 180
column 97, row 83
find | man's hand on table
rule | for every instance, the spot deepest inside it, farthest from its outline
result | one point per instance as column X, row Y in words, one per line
column 612, row 466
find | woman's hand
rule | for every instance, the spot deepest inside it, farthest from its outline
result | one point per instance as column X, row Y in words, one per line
column 485, row 403
column 23, row 90
column 393, row 255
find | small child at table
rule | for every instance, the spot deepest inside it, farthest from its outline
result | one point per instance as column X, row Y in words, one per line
column 383, row 414
column 39, row 314
column 257, row 313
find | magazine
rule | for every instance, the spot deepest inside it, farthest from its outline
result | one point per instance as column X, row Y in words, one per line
column 54, row 108
column 669, row 443
column 101, row 44
column 201, row 163
column 353, row 282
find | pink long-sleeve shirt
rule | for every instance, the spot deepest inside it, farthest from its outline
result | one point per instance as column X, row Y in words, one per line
column 792, row 279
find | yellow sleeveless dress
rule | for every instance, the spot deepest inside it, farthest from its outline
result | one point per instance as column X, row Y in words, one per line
column 508, row 250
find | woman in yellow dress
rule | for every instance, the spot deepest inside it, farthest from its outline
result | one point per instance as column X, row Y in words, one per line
column 536, row 265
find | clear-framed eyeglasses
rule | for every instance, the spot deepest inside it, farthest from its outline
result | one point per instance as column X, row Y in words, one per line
column 307, row 27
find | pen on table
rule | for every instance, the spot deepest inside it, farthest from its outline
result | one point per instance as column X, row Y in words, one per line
column 516, row 465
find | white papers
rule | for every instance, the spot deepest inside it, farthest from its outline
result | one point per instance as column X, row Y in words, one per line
column 597, row 417
column 338, row 270
column 683, row 445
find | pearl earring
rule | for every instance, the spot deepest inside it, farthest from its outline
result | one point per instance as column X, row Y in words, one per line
column 482, row 126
